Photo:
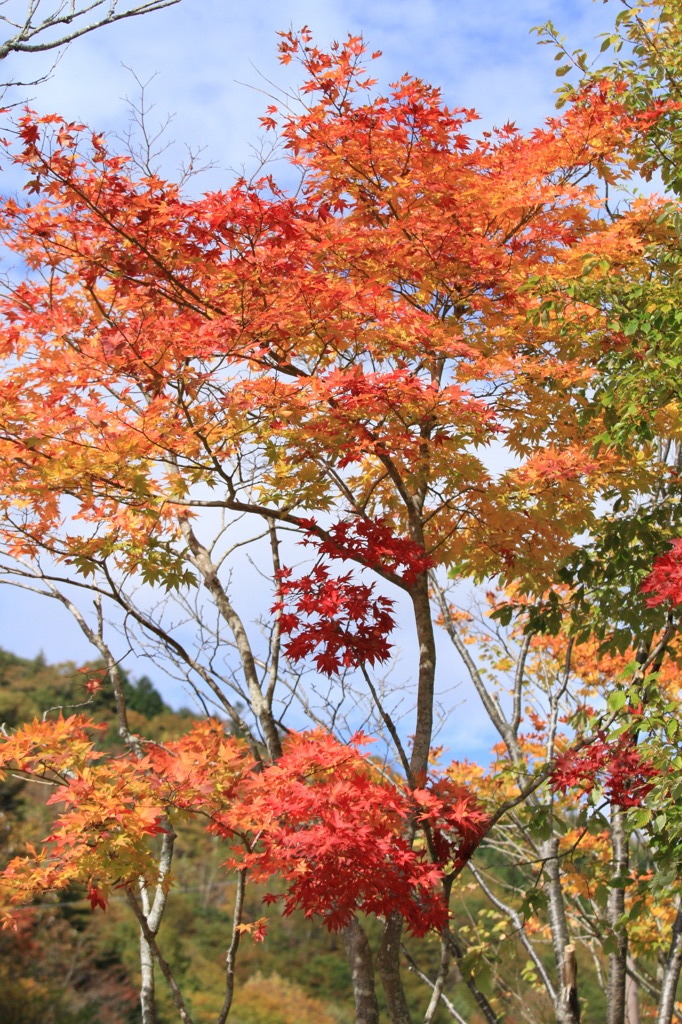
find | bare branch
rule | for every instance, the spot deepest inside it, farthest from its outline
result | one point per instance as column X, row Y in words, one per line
column 68, row 21
column 520, row 929
column 412, row 965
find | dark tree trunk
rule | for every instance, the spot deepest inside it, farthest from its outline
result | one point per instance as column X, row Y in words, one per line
column 388, row 962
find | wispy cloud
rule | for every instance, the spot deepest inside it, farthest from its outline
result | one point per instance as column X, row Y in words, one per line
column 213, row 57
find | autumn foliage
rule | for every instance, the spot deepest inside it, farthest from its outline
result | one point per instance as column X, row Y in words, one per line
column 664, row 583
column 380, row 323
column 322, row 819
column 345, row 365
column 615, row 766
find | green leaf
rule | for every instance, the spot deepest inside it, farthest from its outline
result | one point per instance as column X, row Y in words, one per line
column 640, row 817
column 616, row 700
column 484, row 978
column 597, row 824
column 619, row 882
column 541, row 825
column 534, row 902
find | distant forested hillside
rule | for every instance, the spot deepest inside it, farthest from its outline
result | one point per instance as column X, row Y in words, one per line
column 69, row 964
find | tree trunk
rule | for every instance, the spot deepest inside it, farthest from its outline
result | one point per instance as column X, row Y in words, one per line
column 423, row 729
column 388, row 962
column 671, row 974
column 631, row 999
column 567, row 1007
column 362, row 973
column 147, row 993
column 153, row 910
column 615, row 1009
column 388, row 959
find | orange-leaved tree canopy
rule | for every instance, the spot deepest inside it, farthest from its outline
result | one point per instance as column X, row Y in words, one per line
column 350, row 357
column 370, row 362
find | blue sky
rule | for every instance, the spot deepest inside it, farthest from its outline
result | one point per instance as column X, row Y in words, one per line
column 212, row 58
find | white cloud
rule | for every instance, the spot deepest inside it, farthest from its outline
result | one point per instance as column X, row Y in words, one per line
column 208, row 52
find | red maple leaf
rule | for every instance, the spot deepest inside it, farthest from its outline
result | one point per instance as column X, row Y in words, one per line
column 615, row 764
column 342, row 624
column 96, row 898
column 664, row 582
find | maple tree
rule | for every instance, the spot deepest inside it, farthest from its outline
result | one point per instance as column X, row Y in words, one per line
column 339, row 366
